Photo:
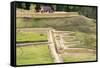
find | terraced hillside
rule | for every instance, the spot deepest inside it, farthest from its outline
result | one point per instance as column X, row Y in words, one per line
column 55, row 39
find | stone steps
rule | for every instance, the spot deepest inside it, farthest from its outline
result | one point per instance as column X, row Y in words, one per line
column 71, row 45
column 69, row 33
column 70, row 40
column 75, row 42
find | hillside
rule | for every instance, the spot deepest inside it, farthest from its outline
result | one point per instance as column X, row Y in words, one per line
column 75, row 23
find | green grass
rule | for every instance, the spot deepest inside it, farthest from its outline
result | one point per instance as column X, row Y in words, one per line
column 36, row 54
column 79, row 57
column 20, row 22
column 29, row 23
column 86, row 40
column 30, row 36
column 77, row 23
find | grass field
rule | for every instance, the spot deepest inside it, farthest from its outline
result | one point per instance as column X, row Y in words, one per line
column 27, row 23
column 33, row 54
column 30, row 36
column 78, row 57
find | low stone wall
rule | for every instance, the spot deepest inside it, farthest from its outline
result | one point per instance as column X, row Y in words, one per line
column 32, row 14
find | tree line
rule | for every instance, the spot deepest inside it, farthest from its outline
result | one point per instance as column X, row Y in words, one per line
column 83, row 10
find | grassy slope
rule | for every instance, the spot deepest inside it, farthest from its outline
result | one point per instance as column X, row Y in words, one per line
column 86, row 40
column 30, row 36
column 33, row 55
column 77, row 23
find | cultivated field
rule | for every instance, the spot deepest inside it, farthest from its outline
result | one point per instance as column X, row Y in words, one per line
column 33, row 54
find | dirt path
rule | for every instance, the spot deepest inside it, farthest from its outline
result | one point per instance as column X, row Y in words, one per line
column 55, row 55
